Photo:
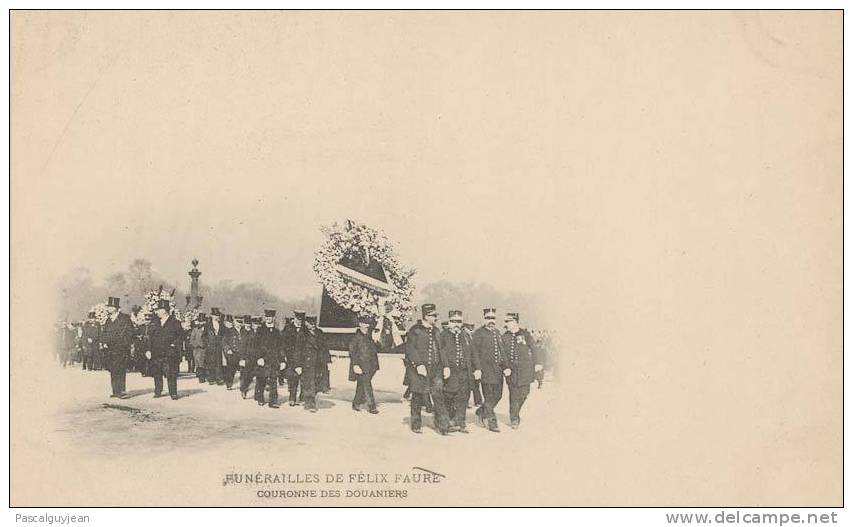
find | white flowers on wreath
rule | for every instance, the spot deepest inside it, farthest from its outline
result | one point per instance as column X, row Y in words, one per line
column 149, row 306
column 101, row 313
column 351, row 239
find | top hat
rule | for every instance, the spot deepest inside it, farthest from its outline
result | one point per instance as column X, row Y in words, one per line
column 112, row 302
column 229, row 318
column 215, row 312
column 91, row 314
column 164, row 304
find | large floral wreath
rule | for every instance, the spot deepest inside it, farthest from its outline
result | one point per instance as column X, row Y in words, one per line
column 350, row 240
column 146, row 311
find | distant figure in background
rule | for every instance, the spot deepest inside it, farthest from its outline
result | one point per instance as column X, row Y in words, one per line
column 364, row 363
column 69, row 341
column 229, row 352
column 116, row 340
column 213, row 356
column 197, row 346
column 90, row 341
column 243, row 327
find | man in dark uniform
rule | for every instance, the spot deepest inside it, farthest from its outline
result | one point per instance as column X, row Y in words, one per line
column 474, row 383
column 459, row 366
column 165, row 337
column 294, row 346
column 90, row 341
column 486, row 344
column 286, row 333
column 229, row 352
column 213, row 356
column 268, row 359
column 524, row 360
column 423, row 353
column 308, row 362
column 116, row 339
column 363, row 365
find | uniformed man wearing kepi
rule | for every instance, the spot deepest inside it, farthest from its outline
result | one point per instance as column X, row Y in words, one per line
column 308, row 362
column 165, row 338
column 294, row 345
column 487, row 345
column 363, row 365
column 459, row 366
column 524, row 360
column 268, row 359
column 116, row 339
column 423, row 353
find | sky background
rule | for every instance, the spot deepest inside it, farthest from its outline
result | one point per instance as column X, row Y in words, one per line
column 671, row 180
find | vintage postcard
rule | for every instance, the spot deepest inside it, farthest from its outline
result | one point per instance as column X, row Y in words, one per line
column 426, row 258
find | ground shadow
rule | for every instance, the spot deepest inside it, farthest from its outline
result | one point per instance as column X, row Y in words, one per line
column 137, row 393
column 190, row 392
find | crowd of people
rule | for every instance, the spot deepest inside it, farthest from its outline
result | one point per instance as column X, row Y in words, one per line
column 446, row 364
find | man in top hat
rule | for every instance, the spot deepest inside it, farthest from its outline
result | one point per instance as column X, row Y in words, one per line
column 487, row 345
column 165, row 340
column 268, row 359
column 524, row 360
column 244, row 337
column 116, row 340
column 230, row 351
column 459, row 364
column 364, row 363
column 423, row 353
column 308, row 361
column 90, row 341
column 214, row 357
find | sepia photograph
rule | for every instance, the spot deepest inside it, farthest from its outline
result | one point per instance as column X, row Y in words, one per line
column 442, row 258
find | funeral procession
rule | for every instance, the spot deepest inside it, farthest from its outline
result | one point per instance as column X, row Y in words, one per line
column 455, row 364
